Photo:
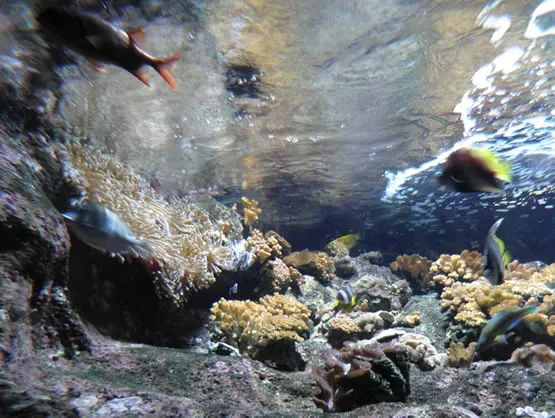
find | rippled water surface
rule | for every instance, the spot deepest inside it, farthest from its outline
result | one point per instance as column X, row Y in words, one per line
column 337, row 115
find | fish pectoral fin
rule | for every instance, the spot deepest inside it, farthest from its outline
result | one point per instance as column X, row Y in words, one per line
column 98, row 66
column 96, row 40
column 138, row 36
column 456, row 180
column 142, row 77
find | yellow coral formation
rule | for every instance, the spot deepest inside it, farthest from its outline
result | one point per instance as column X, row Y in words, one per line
column 185, row 242
column 473, row 300
column 450, row 268
column 413, row 319
column 249, row 326
column 415, row 267
column 263, row 248
column 344, row 325
column 461, row 356
column 251, row 211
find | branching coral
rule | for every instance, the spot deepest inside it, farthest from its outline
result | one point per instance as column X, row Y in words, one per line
column 263, row 246
column 358, row 375
column 251, row 326
column 414, row 268
column 251, row 211
column 189, row 248
column 461, row 356
column 466, row 267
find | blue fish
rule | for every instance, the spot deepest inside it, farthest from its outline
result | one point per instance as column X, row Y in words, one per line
column 501, row 323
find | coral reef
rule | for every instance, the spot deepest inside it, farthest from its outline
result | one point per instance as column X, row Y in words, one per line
column 538, row 357
column 355, row 326
column 415, row 269
column 276, row 276
column 254, row 327
column 358, row 375
column 379, row 295
column 265, row 246
column 461, row 356
column 188, row 247
column 466, row 267
column 316, row 264
column 420, row 349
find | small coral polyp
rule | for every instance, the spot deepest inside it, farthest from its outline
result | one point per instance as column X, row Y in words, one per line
column 189, row 248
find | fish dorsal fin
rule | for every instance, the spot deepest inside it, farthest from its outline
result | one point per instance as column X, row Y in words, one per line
column 502, row 170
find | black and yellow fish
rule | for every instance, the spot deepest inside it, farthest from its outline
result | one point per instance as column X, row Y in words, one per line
column 496, row 256
column 345, row 299
column 475, row 170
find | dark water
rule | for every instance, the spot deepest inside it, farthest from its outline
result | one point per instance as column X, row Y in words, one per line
column 336, row 115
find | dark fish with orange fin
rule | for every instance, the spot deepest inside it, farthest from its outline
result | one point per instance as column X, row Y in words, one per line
column 101, row 42
column 475, row 170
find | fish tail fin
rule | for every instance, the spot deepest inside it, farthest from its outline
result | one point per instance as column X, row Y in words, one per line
column 501, row 169
column 161, row 66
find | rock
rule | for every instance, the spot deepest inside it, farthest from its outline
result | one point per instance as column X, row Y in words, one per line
column 345, row 267
column 374, row 257
column 381, row 293
column 314, row 263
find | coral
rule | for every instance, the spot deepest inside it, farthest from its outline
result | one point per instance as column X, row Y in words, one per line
column 420, row 349
column 251, row 211
column 313, row 263
column 517, row 271
column 275, row 276
column 263, row 247
column 377, row 294
column 466, row 267
column 189, row 249
column 414, row 268
column 413, row 319
column 359, row 375
column 342, row 328
column 274, row 239
column 251, row 326
column 538, row 357
column 461, row 356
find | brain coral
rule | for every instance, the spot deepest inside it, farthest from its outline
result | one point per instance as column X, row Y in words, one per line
column 188, row 246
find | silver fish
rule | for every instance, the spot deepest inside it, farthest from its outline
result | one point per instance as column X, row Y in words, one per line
column 102, row 229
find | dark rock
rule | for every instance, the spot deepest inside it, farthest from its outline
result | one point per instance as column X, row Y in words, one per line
column 373, row 257
column 345, row 267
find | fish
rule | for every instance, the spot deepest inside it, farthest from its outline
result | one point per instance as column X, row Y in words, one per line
column 349, row 240
column 469, row 170
column 101, row 42
column 345, row 299
column 501, row 323
column 103, row 230
column 496, row 257
column 234, row 289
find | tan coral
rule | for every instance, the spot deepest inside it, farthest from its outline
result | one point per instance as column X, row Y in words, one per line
column 538, row 357
column 314, row 263
column 250, row 326
column 461, row 356
column 185, row 242
column 413, row 319
column 251, row 211
column 448, row 269
column 414, row 267
column 262, row 248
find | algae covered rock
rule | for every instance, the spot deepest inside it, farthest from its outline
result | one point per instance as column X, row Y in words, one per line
column 313, row 263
